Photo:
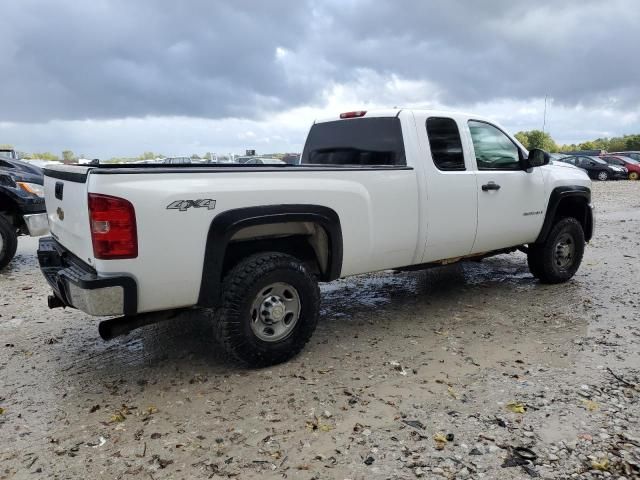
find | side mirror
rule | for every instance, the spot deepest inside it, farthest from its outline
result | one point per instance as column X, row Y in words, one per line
column 537, row 158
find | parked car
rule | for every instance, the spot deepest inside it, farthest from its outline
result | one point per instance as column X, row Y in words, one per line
column 588, row 153
column 597, row 168
column 176, row 160
column 632, row 166
column 264, row 161
column 635, row 155
column 244, row 159
column 249, row 245
column 22, row 208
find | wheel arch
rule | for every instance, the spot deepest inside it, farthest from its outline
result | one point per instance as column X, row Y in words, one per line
column 569, row 201
column 226, row 225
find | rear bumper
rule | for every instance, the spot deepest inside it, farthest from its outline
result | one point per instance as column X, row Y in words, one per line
column 37, row 224
column 75, row 284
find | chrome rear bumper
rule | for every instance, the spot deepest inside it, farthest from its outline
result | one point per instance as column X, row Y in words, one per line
column 37, row 224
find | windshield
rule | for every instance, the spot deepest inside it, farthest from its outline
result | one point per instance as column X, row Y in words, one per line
column 598, row 160
column 363, row 141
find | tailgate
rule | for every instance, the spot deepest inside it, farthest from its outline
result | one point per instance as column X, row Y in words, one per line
column 65, row 189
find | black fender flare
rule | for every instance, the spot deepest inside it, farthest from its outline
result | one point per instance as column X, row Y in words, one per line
column 226, row 224
column 557, row 195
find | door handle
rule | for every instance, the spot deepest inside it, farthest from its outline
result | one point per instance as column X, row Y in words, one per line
column 490, row 186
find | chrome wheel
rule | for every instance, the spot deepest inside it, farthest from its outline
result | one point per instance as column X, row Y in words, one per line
column 603, row 176
column 1, row 243
column 564, row 251
column 275, row 312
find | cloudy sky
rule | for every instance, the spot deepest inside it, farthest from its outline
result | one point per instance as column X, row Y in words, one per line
column 115, row 77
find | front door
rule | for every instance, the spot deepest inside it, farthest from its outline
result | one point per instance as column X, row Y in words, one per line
column 511, row 201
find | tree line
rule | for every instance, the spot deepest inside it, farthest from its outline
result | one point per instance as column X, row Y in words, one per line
column 543, row 140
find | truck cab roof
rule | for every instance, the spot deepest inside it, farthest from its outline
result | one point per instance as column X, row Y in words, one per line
column 394, row 112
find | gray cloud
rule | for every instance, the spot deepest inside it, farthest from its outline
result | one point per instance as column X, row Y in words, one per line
column 114, row 59
column 575, row 51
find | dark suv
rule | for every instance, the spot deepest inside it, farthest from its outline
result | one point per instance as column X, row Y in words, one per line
column 596, row 168
column 22, row 209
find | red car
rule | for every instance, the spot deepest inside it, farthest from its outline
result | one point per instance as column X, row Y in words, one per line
column 633, row 166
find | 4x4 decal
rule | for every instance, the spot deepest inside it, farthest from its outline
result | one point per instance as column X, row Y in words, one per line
column 184, row 205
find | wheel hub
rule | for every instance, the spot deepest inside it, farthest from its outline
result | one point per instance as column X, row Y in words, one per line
column 275, row 312
column 273, row 309
column 564, row 251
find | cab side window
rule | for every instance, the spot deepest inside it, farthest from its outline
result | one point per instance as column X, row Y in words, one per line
column 493, row 149
column 445, row 143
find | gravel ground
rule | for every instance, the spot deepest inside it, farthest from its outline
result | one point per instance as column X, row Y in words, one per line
column 465, row 371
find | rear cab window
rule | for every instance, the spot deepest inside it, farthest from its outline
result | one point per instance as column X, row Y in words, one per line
column 375, row 141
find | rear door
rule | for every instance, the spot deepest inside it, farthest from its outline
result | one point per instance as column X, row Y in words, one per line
column 511, row 201
column 450, row 205
column 65, row 189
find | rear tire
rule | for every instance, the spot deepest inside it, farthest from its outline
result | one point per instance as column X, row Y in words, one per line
column 8, row 242
column 603, row 176
column 558, row 258
column 269, row 310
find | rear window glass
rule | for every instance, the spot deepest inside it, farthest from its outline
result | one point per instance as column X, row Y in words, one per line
column 362, row 141
column 444, row 140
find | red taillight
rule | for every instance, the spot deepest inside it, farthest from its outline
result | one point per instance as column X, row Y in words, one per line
column 113, row 227
column 359, row 113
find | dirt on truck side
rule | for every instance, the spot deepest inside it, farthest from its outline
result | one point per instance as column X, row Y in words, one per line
column 473, row 370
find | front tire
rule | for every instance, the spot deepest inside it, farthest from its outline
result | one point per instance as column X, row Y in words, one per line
column 634, row 175
column 269, row 310
column 558, row 258
column 8, row 242
column 603, row 175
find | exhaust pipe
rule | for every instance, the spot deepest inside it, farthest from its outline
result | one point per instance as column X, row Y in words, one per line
column 54, row 302
column 115, row 327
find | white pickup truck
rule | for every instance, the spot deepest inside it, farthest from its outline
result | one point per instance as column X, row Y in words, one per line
column 248, row 244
